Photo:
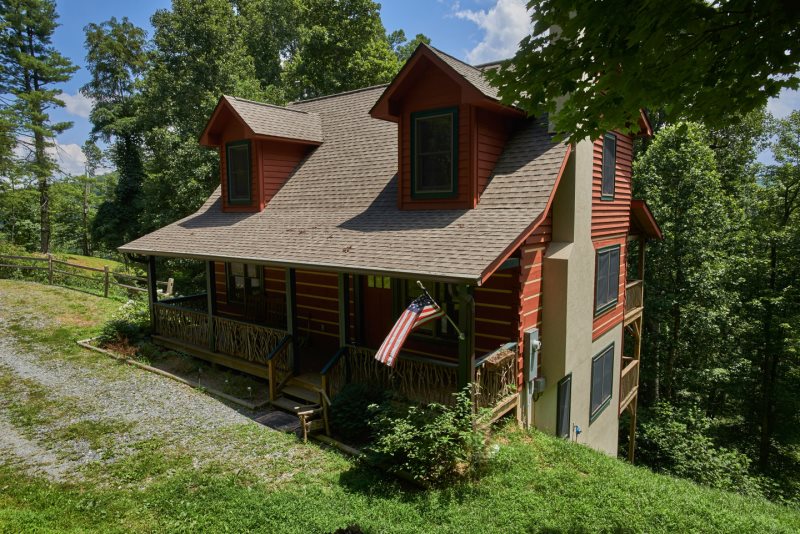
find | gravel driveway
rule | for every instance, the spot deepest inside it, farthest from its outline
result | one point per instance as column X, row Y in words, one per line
column 89, row 388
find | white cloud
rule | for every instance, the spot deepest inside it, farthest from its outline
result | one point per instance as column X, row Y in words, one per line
column 504, row 25
column 68, row 156
column 788, row 100
column 77, row 104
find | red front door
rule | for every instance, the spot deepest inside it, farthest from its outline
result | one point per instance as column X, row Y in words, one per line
column 378, row 315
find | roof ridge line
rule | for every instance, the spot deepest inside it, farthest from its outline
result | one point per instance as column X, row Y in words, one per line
column 267, row 105
column 453, row 57
column 350, row 91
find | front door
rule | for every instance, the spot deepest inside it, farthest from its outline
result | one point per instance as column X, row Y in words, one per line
column 378, row 315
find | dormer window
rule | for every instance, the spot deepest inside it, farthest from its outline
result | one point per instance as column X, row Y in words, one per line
column 238, row 158
column 609, row 166
column 434, row 153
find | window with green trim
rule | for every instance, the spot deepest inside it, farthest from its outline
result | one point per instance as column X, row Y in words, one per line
column 444, row 295
column 602, row 382
column 606, row 279
column 238, row 163
column 609, row 167
column 434, row 153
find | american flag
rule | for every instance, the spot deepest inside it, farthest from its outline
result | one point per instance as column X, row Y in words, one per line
column 421, row 310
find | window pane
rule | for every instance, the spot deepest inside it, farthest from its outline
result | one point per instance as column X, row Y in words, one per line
column 239, row 172
column 434, row 172
column 609, row 164
column 237, row 268
column 434, row 154
column 387, row 282
column 564, row 401
column 370, row 281
column 608, row 373
column 434, row 134
column 597, row 383
column 613, row 276
column 601, row 281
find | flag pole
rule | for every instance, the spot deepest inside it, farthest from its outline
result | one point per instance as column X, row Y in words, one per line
column 452, row 323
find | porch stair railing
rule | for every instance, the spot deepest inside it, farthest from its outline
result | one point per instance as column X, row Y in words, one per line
column 279, row 366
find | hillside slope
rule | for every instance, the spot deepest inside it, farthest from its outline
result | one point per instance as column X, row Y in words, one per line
column 137, row 473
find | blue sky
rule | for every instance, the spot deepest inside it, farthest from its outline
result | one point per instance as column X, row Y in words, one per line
column 473, row 30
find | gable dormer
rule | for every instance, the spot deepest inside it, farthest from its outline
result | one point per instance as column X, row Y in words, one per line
column 451, row 130
column 259, row 147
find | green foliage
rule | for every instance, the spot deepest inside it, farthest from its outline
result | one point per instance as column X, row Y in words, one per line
column 341, row 46
column 130, row 324
column 432, row 444
column 350, row 412
column 402, row 47
column 676, row 441
column 697, row 60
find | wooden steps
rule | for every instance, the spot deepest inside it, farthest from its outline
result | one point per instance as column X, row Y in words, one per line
column 301, row 393
column 293, row 405
column 302, row 396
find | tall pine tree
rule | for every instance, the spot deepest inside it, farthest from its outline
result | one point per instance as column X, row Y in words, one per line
column 32, row 70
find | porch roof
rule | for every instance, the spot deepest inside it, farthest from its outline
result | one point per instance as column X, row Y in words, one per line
column 338, row 210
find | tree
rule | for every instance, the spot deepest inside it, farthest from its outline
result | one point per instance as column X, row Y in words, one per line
column 404, row 48
column 687, row 300
column 705, row 61
column 116, row 57
column 774, row 295
column 32, row 67
column 342, row 46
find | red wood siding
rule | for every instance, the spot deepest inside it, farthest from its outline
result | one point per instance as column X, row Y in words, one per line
column 492, row 132
column 232, row 133
column 530, row 283
column 496, row 311
column 612, row 217
column 432, row 89
column 611, row 318
column 278, row 161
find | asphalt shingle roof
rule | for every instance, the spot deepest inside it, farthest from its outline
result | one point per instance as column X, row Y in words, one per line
column 472, row 74
column 338, row 210
column 276, row 121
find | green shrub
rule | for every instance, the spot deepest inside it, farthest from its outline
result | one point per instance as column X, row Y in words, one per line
column 351, row 414
column 676, row 441
column 432, row 443
column 130, row 323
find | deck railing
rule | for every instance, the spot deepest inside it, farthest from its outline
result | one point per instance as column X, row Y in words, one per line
column 181, row 320
column 182, row 324
column 496, row 376
column 634, row 295
column 628, row 383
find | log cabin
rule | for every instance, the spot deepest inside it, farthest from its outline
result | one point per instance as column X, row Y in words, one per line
column 329, row 210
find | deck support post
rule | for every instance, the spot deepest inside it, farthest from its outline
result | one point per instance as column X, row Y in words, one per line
column 632, row 431
column 291, row 315
column 344, row 308
column 152, row 291
column 466, row 346
column 210, row 292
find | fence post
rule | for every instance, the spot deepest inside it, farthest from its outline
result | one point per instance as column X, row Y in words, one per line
column 170, row 284
column 50, row 269
column 105, row 281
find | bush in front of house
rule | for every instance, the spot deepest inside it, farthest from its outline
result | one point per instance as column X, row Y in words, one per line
column 129, row 324
column 432, row 444
column 350, row 412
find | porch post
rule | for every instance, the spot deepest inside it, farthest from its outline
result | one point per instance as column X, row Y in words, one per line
column 152, row 291
column 210, row 303
column 344, row 308
column 466, row 346
column 358, row 298
column 291, row 314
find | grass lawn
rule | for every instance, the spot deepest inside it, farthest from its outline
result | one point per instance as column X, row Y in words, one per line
column 535, row 483
column 92, row 261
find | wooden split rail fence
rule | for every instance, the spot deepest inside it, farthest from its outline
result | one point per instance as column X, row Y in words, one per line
column 104, row 277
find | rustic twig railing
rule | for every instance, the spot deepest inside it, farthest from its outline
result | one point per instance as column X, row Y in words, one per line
column 419, row 380
column 248, row 341
column 104, row 278
column 279, row 366
column 183, row 324
column 496, row 376
column 628, row 383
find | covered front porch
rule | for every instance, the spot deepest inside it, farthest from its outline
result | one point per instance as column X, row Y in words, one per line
column 311, row 336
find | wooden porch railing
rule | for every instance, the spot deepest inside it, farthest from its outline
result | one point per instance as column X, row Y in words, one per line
column 634, row 296
column 496, row 376
column 279, row 366
column 628, row 383
column 183, row 324
column 251, row 342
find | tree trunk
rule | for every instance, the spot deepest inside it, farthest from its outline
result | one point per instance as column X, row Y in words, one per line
column 769, row 366
column 40, row 158
column 85, row 226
